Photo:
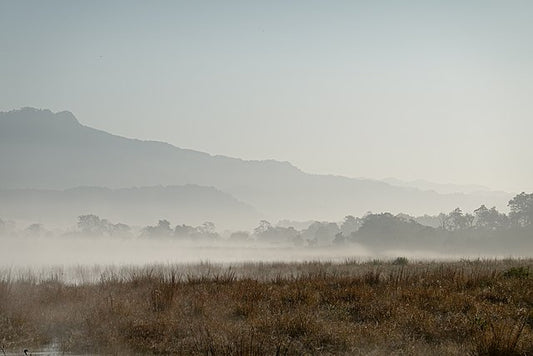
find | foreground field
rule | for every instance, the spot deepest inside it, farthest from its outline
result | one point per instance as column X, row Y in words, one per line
column 476, row 307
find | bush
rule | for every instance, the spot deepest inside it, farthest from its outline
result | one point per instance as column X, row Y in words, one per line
column 400, row 261
column 521, row 272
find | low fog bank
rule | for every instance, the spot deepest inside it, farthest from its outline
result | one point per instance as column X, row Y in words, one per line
column 89, row 260
column 90, row 251
column 86, row 250
column 94, row 240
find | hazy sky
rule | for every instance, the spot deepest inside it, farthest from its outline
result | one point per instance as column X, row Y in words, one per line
column 439, row 90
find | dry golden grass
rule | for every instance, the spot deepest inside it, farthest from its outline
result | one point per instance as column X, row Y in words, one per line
column 373, row 308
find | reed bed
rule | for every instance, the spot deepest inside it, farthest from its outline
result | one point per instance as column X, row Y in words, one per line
column 480, row 307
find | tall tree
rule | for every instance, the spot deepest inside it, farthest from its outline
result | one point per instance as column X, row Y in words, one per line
column 489, row 218
column 456, row 220
column 521, row 209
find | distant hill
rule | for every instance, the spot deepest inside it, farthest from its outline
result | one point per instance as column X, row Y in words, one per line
column 189, row 204
column 45, row 150
column 439, row 187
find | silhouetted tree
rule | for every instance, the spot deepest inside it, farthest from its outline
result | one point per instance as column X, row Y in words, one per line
column 350, row 224
column 386, row 229
column 321, row 232
column 120, row 229
column 184, row 231
column 443, row 218
column 263, row 227
column 490, row 219
column 266, row 232
column 162, row 229
column 206, row 230
column 521, row 210
column 456, row 220
column 92, row 224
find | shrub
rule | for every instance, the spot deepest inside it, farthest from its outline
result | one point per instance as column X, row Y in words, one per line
column 400, row 261
column 517, row 272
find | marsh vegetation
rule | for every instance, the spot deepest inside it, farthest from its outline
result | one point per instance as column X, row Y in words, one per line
column 481, row 307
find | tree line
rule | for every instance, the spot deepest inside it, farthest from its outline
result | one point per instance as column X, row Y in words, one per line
column 372, row 229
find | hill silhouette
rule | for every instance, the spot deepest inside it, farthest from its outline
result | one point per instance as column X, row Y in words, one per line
column 190, row 204
column 40, row 149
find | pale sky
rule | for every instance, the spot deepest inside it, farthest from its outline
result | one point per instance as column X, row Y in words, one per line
column 436, row 90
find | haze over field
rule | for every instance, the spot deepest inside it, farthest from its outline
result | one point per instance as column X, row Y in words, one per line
column 373, row 125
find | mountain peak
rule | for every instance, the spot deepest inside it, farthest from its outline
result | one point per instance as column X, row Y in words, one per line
column 34, row 116
column 67, row 116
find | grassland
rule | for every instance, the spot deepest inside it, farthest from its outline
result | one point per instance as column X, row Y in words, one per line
column 398, row 307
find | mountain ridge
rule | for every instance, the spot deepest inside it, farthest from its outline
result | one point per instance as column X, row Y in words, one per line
column 63, row 156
